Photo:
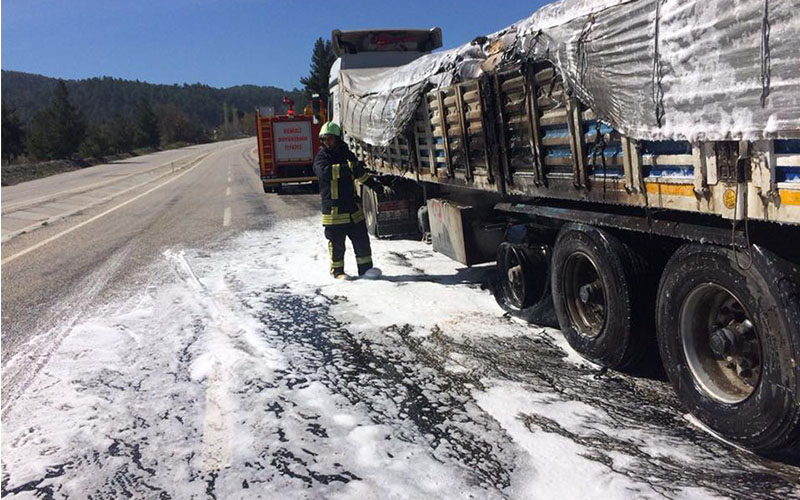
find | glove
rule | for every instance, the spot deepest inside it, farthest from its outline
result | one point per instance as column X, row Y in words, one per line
column 387, row 190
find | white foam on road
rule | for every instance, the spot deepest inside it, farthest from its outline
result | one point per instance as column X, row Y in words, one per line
column 194, row 386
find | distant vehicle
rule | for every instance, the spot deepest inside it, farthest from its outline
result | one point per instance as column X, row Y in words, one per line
column 287, row 145
column 684, row 239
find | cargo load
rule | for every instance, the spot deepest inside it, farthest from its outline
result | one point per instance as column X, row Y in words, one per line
column 651, row 69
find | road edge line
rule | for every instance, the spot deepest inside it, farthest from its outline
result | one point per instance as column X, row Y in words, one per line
column 106, row 199
column 78, row 226
column 22, row 205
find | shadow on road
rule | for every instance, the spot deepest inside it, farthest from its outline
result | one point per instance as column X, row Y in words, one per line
column 299, row 189
column 463, row 276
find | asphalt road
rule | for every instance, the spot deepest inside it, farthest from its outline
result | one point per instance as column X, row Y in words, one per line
column 60, row 271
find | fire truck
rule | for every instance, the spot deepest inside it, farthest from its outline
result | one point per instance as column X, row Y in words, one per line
column 287, row 145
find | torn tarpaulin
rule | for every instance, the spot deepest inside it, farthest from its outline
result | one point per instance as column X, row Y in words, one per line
column 653, row 69
column 378, row 103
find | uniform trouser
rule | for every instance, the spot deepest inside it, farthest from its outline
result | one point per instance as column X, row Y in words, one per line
column 357, row 232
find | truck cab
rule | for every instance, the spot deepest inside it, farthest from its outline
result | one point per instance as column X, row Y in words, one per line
column 364, row 53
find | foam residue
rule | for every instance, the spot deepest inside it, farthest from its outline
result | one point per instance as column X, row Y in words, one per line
column 253, row 374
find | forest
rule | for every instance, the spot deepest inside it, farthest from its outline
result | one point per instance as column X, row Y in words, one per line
column 98, row 118
column 47, row 118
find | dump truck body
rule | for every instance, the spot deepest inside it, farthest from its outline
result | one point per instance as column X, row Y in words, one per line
column 631, row 170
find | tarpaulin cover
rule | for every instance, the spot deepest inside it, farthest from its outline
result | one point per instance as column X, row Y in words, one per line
column 653, row 69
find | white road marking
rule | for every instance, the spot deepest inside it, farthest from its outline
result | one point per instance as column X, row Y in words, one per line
column 10, row 207
column 89, row 221
column 82, row 208
column 228, row 191
column 226, row 217
column 216, row 441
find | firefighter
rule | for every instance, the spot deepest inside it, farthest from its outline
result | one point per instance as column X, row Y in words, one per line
column 337, row 168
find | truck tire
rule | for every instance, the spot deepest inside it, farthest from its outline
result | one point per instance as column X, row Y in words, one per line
column 370, row 206
column 729, row 338
column 522, row 286
column 599, row 306
column 268, row 188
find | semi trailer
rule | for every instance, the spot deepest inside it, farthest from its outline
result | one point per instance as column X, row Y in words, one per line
column 632, row 167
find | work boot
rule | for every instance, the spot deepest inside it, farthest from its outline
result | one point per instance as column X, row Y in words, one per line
column 371, row 273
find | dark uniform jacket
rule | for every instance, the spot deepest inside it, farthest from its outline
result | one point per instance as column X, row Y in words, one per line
column 336, row 170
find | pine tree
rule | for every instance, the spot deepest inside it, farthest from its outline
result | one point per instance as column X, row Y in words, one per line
column 147, row 133
column 57, row 131
column 120, row 134
column 97, row 143
column 321, row 60
column 13, row 134
column 175, row 126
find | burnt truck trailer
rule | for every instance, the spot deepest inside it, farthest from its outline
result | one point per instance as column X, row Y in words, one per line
column 633, row 167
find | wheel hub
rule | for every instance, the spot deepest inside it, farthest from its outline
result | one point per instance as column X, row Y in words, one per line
column 515, row 275
column 722, row 342
column 515, row 286
column 589, row 293
column 584, row 295
column 721, row 345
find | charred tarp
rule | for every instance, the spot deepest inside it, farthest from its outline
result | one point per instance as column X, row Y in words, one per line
column 652, row 69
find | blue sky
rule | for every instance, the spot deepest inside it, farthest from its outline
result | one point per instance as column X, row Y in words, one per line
column 217, row 42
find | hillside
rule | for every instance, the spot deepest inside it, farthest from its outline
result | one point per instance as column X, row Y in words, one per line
column 100, row 99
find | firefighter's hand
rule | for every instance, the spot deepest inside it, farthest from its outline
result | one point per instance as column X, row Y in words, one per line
column 387, row 190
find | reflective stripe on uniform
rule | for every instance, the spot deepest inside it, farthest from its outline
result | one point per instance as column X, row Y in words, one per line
column 334, row 263
column 335, row 174
column 364, row 260
column 363, row 178
column 335, row 219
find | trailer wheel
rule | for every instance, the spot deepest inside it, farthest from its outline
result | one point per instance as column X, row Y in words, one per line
column 370, row 207
column 730, row 341
column 522, row 287
column 599, row 308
